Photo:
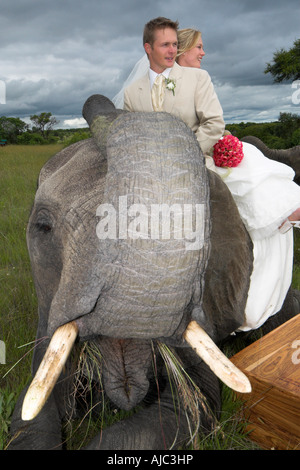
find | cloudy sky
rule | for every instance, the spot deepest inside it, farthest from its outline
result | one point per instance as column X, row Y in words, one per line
column 56, row 53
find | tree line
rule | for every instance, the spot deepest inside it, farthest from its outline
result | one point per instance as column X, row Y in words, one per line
column 281, row 134
column 284, row 133
column 16, row 131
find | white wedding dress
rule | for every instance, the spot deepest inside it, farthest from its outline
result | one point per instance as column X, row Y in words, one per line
column 265, row 195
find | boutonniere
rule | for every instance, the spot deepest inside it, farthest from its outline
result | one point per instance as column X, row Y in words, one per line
column 171, row 85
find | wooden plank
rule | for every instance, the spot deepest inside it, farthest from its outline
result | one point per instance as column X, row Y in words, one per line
column 273, row 407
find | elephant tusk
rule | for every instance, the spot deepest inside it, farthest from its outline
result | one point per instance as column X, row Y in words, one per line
column 49, row 370
column 215, row 359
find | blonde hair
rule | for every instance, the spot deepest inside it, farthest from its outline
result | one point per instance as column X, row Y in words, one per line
column 187, row 39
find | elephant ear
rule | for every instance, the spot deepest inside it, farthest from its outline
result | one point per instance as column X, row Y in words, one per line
column 63, row 157
column 227, row 277
column 100, row 113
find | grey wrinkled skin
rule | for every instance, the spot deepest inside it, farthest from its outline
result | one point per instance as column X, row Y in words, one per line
column 126, row 294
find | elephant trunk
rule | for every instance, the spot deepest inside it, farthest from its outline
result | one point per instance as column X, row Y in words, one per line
column 153, row 228
column 141, row 239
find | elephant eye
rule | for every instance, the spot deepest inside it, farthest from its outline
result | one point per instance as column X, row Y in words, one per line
column 42, row 222
column 43, row 227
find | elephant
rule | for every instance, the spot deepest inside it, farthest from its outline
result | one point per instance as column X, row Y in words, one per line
column 129, row 291
column 290, row 157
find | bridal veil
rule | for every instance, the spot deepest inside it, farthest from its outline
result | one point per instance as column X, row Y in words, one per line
column 140, row 69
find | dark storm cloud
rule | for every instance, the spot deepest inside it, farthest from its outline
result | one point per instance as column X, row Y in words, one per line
column 56, row 54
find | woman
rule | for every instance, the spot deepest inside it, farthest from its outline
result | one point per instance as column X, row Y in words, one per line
column 190, row 48
column 190, row 54
column 268, row 201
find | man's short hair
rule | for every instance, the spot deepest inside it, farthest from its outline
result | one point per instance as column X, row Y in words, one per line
column 154, row 25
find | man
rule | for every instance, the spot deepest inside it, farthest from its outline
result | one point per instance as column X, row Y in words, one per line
column 188, row 93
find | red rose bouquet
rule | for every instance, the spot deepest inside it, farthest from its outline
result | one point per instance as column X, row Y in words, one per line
column 228, row 152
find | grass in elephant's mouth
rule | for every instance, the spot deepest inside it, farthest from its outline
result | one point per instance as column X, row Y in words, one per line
column 226, row 433
column 87, row 388
column 95, row 411
column 185, row 392
column 88, row 362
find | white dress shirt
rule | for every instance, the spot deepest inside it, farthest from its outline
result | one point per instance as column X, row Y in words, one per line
column 153, row 75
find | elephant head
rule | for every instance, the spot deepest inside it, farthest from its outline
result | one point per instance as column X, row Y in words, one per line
column 132, row 242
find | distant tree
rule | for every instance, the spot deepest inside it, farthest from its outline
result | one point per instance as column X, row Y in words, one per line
column 288, row 128
column 30, row 138
column 11, row 128
column 281, row 134
column 286, row 64
column 43, row 123
column 77, row 136
column 295, row 138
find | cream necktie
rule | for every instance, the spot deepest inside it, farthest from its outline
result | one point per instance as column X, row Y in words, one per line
column 157, row 93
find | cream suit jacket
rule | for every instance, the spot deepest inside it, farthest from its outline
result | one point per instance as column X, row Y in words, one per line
column 195, row 102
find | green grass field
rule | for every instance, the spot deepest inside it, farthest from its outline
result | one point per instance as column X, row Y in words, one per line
column 19, row 169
